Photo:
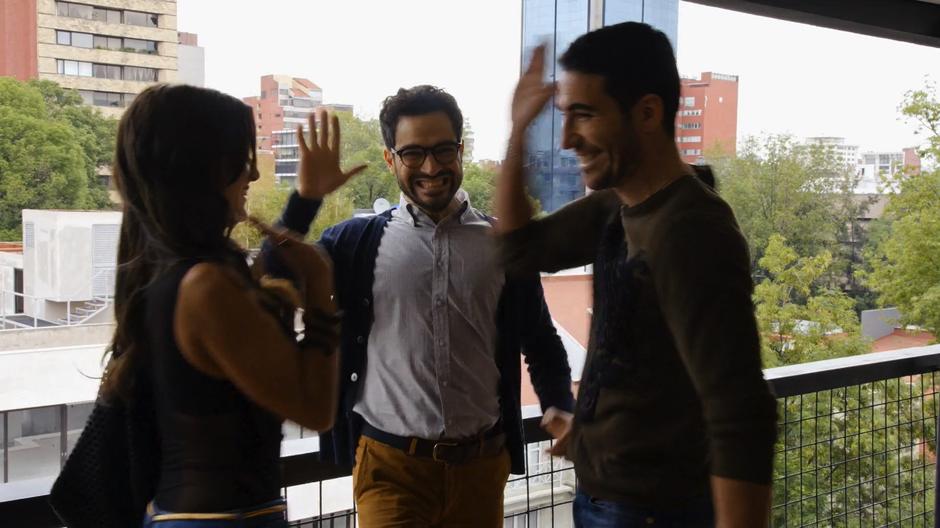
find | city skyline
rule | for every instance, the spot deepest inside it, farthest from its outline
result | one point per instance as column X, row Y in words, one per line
column 795, row 78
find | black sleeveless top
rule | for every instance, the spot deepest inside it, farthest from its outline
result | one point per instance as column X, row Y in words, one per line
column 219, row 450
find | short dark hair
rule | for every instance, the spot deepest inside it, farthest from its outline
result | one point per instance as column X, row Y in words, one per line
column 635, row 60
column 419, row 100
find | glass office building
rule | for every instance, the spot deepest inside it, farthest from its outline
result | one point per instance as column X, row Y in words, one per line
column 554, row 173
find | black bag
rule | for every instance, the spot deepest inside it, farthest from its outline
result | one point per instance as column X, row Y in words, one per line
column 110, row 476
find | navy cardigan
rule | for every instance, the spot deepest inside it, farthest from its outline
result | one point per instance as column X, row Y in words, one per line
column 524, row 326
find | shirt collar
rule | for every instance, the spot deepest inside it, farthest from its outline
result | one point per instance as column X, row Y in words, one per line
column 415, row 216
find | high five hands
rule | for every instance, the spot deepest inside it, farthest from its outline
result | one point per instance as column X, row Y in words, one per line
column 319, row 172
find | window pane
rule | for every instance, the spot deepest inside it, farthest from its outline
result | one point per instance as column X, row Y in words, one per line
column 63, row 37
column 82, row 40
column 101, row 98
column 138, row 45
column 114, row 17
column 100, row 15
column 134, row 73
column 114, row 43
column 88, row 96
column 62, row 8
column 136, row 18
column 60, row 66
column 71, row 67
column 105, row 71
column 84, row 69
column 81, row 11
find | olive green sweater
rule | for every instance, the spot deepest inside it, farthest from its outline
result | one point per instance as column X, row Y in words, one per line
column 672, row 390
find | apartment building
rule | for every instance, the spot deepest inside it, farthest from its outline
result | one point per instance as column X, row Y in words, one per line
column 107, row 50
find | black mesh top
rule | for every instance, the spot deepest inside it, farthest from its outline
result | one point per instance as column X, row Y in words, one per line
column 219, row 450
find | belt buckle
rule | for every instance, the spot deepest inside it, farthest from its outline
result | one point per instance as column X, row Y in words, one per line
column 435, row 453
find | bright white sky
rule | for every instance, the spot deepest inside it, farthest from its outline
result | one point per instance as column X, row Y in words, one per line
column 794, row 78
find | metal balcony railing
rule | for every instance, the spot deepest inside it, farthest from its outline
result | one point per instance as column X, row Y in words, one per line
column 857, row 447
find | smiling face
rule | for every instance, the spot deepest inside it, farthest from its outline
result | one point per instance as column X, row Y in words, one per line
column 432, row 183
column 605, row 140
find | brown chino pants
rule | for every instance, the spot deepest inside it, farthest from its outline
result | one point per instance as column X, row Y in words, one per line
column 394, row 489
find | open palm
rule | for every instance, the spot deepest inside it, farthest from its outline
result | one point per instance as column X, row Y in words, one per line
column 319, row 172
column 532, row 92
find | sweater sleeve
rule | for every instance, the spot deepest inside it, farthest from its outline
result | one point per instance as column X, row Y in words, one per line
column 299, row 213
column 702, row 276
column 544, row 351
column 564, row 239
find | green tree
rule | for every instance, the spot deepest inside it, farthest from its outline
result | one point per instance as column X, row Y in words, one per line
column 797, row 323
column 860, row 455
column 778, row 186
column 479, row 182
column 337, row 208
column 844, row 456
column 905, row 259
column 362, row 144
column 906, row 263
column 266, row 200
column 50, row 150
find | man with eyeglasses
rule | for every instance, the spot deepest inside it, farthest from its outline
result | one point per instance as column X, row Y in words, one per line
column 432, row 329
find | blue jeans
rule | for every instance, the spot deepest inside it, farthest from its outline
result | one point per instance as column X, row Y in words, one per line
column 268, row 515
column 598, row 513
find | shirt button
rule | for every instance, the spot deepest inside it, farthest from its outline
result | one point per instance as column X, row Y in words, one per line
column 439, row 301
column 354, row 377
column 444, row 383
column 360, row 339
column 365, row 302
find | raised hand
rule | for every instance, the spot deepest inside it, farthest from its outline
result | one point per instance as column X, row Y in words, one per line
column 319, row 172
column 532, row 92
column 308, row 264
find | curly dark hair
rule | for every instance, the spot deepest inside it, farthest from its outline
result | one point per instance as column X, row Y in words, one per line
column 419, row 100
column 635, row 60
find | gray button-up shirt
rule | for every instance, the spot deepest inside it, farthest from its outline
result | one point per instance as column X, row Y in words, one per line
column 431, row 370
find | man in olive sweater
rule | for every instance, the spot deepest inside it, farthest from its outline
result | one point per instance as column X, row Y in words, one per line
column 674, row 423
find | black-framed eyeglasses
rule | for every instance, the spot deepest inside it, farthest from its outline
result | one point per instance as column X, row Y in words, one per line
column 413, row 156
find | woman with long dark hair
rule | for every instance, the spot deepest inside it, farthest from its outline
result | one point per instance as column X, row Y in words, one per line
column 195, row 331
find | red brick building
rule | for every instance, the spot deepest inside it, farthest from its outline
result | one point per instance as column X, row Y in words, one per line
column 707, row 116
column 284, row 103
column 18, row 40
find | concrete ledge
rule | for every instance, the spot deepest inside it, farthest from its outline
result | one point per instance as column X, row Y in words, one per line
column 56, row 336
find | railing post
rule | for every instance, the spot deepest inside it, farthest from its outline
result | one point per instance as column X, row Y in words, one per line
column 6, row 447
column 63, row 434
column 936, row 466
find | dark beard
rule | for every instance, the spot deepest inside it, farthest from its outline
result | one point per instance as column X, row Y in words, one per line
column 413, row 196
